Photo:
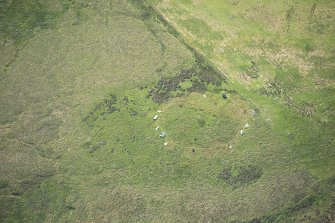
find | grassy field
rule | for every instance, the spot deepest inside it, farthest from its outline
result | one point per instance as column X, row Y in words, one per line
column 244, row 94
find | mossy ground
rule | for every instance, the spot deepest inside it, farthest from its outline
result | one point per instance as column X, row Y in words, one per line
column 81, row 83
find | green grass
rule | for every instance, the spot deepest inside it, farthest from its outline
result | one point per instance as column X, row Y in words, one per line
column 46, row 202
column 81, row 83
column 298, row 110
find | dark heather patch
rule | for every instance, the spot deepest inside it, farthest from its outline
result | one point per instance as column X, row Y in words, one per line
column 199, row 75
column 107, row 106
column 92, row 147
column 273, row 88
column 245, row 175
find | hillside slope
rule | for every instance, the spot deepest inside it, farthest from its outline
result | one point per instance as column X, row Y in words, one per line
column 244, row 111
